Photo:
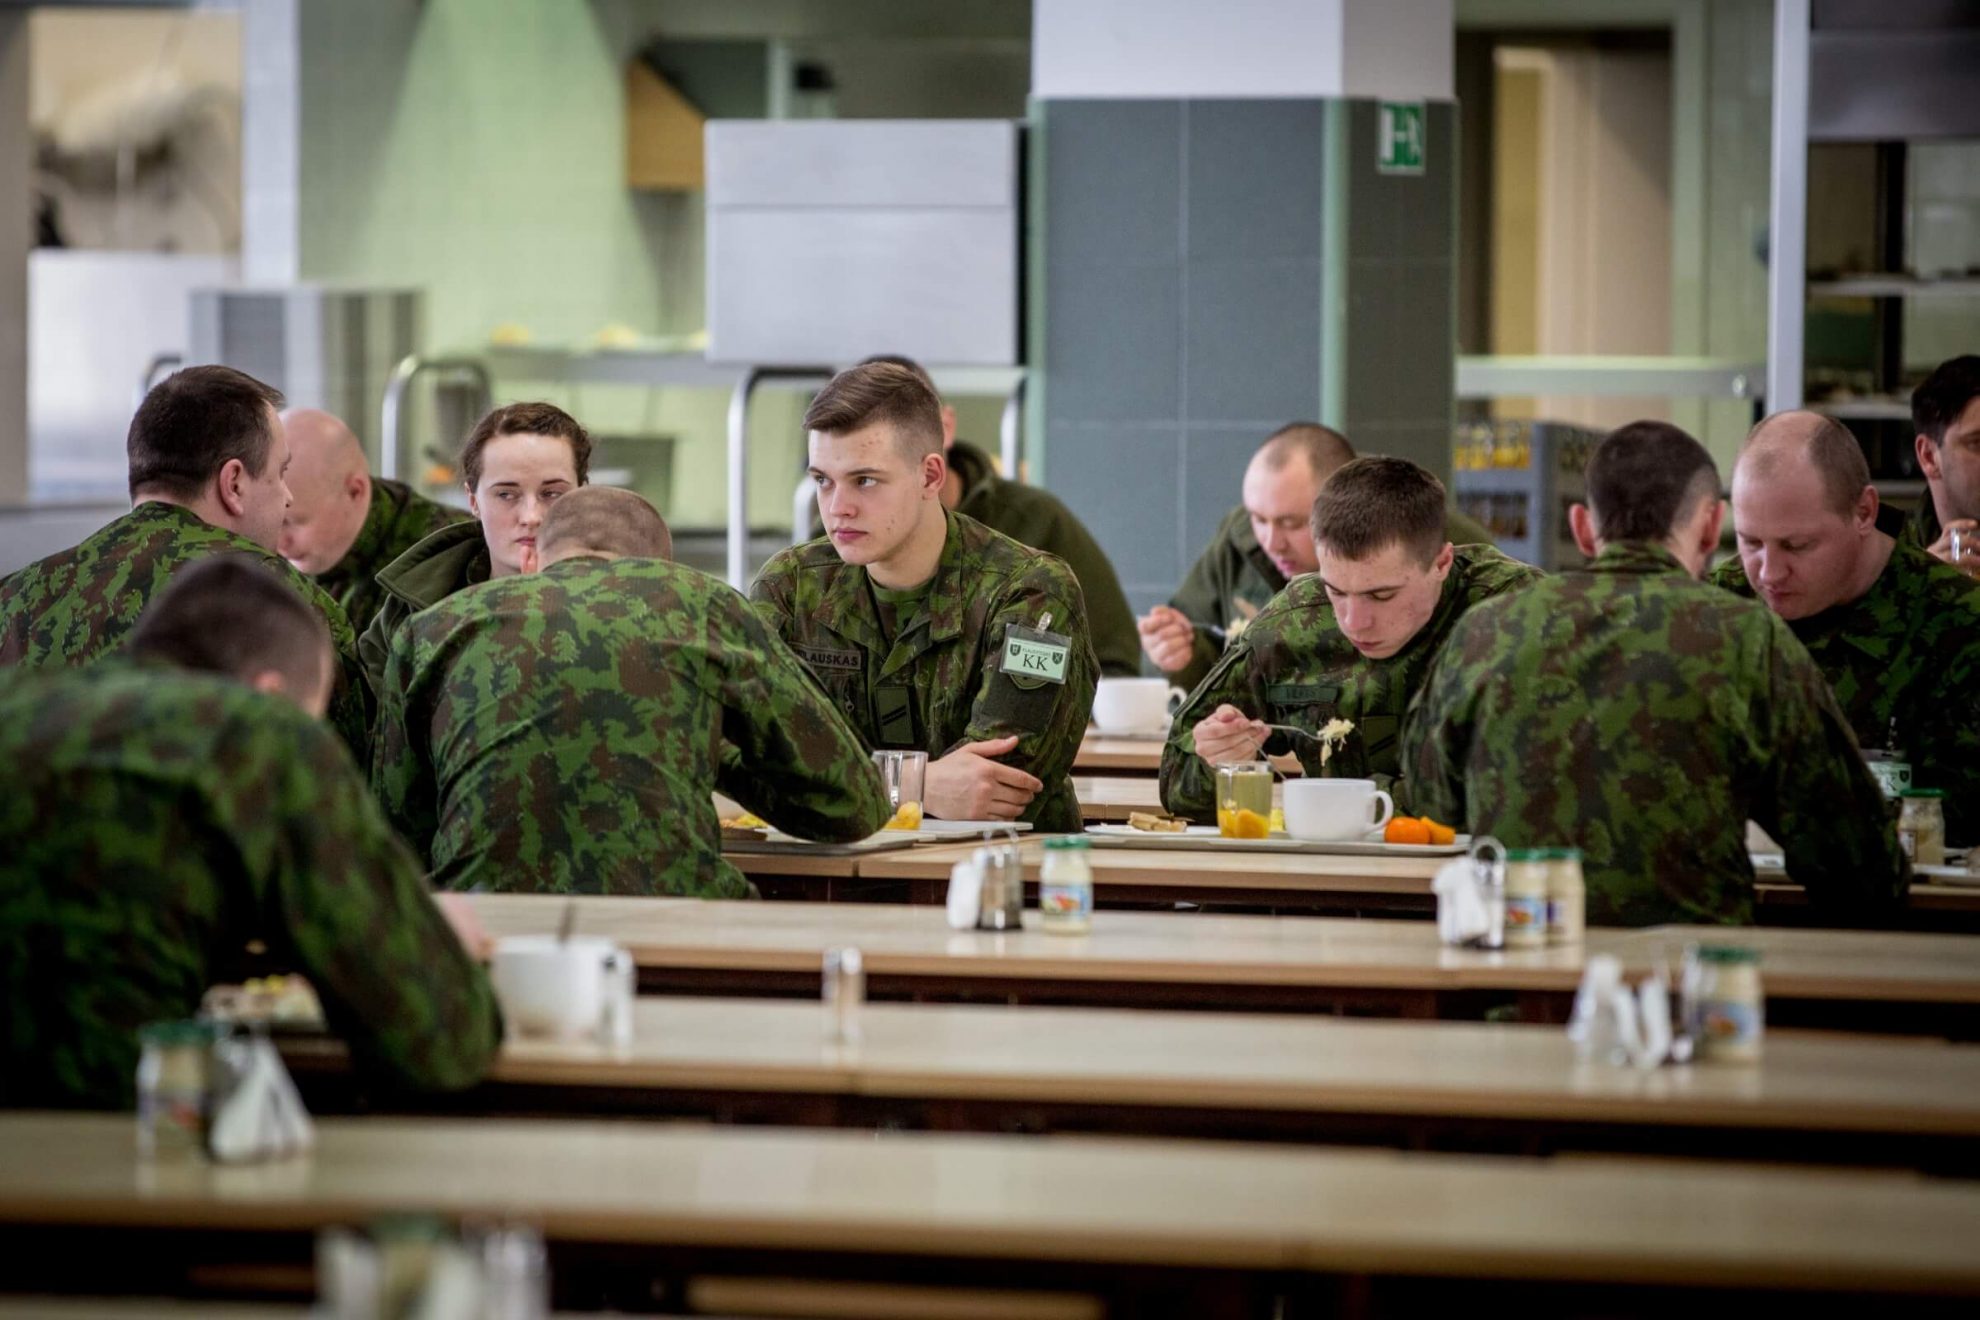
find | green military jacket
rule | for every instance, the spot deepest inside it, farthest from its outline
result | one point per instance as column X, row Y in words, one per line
column 1906, row 653
column 399, row 518
column 1293, row 666
column 448, row 561
column 153, row 822
column 562, row 732
column 73, row 607
column 1643, row 716
column 1037, row 518
column 1234, row 577
column 943, row 681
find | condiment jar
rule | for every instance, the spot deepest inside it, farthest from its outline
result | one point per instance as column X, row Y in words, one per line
column 1567, row 896
column 1065, row 887
column 1526, row 897
column 1729, row 1008
column 1922, row 826
column 174, row 1087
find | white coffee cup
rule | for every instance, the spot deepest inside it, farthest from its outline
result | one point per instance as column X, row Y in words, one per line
column 1335, row 810
column 1135, row 705
column 565, row 989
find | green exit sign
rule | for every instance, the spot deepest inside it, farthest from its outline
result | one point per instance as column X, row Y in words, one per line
column 1400, row 129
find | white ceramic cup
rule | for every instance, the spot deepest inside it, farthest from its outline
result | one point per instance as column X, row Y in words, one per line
column 1135, row 705
column 1335, row 810
column 557, row 989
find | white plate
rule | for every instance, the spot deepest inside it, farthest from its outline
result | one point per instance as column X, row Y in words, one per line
column 1160, row 735
column 1206, row 838
column 931, row 830
column 1947, row 875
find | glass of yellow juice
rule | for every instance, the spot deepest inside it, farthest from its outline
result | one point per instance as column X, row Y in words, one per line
column 1244, row 800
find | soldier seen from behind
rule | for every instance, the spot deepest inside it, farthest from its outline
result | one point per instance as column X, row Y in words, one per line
column 930, row 631
column 1643, row 716
column 160, row 810
column 208, row 458
column 562, row 731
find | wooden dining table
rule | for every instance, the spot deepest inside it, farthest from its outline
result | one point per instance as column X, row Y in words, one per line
column 1888, row 983
column 1138, row 757
column 1145, row 1226
column 1816, row 1097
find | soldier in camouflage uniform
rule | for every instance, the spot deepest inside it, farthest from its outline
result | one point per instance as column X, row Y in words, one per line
column 929, row 630
column 1895, row 631
column 1643, row 716
column 562, row 731
column 1945, row 413
column 1036, row 517
column 1257, row 549
column 517, row 461
column 345, row 525
column 1351, row 641
column 207, row 456
column 154, row 820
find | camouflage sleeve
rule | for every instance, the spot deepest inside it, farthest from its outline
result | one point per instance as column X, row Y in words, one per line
column 1945, row 746
column 1201, row 598
column 352, row 707
column 344, row 902
column 402, row 776
column 1050, row 719
column 768, row 599
column 786, row 754
column 1188, row 782
column 1819, row 799
column 1436, row 737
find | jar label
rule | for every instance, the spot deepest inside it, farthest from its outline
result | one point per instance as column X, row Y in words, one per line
column 1908, row 844
column 1728, row 1023
column 1064, row 901
column 1524, row 912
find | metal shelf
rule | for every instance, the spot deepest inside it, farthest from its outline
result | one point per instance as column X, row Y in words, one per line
column 1895, row 286
column 1865, row 410
column 1608, row 375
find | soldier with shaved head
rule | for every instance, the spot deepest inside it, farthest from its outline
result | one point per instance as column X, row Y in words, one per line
column 1895, row 631
column 562, row 731
column 343, row 524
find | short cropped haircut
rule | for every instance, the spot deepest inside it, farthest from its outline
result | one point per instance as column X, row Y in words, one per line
column 193, row 423
column 1822, row 442
column 1951, row 388
column 606, row 519
column 526, row 419
column 1372, row 503
column 1324, row 449
column 1645, row 478
column 902, row 360
column 881, row 392
column 231, row 614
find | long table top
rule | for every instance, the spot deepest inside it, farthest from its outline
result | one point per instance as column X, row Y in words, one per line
column 1118, row 756
column 1043, row 1199
column 1253, row 1063
column 1202, row 948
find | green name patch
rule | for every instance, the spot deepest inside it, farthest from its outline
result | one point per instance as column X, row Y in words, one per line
column 1031, row 657
column 845, row 661
column 1302, row 694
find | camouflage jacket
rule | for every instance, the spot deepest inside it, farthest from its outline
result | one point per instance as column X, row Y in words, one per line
column 562, row 732
column 1037, row 518
column 943, row 682
column 449, row 560
column 1906, row 652
column 399, row 519
column 154, row 822
column 1233, row 579
column 73, row 607
column 1644, row 717
column 1293, row 666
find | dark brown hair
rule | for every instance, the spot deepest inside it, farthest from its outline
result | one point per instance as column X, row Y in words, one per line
column 526, row 419
column 1937, row 404
column 231, row 614
column 608, row 520
column 193, row 423
column 1372, row 503
column 881, row 392
column 1646, row 476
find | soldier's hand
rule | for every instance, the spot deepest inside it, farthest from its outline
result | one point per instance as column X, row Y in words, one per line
column 459, row 912
column 1167, row 638
column 531, row 560
column 968, row 784
column 1968, row 559
column 1227, row 734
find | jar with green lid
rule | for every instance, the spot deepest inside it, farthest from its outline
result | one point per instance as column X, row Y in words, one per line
column 1526, row 897
column 1065, row 887
column 1728, row 1011
column 174, row 1086
column 1922, row 826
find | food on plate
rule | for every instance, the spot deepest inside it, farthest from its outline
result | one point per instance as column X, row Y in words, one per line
column 1155, row 823
column 1418, row 830
column 749, row 820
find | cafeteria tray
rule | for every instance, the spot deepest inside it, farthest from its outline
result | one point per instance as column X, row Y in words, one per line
column 1205, row 838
